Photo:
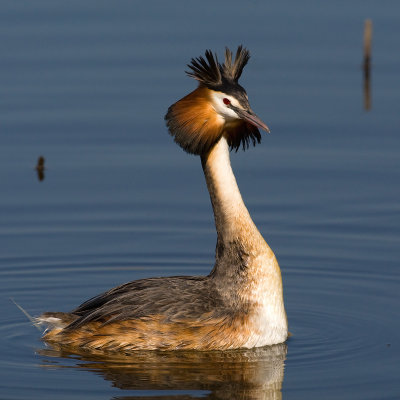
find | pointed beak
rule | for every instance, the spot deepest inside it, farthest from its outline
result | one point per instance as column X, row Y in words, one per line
column 252, row 118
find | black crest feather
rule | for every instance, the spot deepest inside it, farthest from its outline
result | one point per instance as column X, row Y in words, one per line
column 207, row 73
column 234, row 71
column 212, row 74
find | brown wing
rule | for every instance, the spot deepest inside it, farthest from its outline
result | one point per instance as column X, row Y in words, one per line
column 174, row 298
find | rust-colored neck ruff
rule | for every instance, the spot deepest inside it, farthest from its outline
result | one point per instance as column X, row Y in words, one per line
column 194, row 123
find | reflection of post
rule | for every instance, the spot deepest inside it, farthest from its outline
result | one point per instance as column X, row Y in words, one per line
column 367, row 63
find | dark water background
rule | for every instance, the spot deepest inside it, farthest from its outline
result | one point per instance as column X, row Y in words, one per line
column 86, row 85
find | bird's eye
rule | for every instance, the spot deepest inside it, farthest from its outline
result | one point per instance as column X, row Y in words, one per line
column 226, row 101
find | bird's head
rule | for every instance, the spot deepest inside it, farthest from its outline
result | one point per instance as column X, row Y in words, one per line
column 218, row 107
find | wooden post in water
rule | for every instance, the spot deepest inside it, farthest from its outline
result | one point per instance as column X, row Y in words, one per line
column 40, row 168
column 367, row 63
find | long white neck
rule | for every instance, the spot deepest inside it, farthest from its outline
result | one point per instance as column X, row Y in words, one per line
column 246, row 272
column 232, row 219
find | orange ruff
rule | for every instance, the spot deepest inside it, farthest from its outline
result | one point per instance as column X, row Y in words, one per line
column 197, row 125
column 153, row 333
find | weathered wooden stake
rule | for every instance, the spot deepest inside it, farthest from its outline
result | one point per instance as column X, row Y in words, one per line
column 367, row 44
column 367, row 63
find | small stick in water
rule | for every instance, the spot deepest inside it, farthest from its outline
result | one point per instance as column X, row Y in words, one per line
column 40, row 168
column 367, row 45
column 367, row 63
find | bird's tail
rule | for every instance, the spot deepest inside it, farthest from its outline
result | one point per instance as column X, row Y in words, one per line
column 49, row 320
column 34, row 321
column 56, row 321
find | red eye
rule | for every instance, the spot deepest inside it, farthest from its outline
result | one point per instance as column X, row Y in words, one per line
column 226, row 101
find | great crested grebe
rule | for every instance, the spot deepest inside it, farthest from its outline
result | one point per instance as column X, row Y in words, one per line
column 240, row 303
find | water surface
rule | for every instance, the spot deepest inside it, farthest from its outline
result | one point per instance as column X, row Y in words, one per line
column 86, row 85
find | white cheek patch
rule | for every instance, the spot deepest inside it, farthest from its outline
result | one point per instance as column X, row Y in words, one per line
column 221, row 108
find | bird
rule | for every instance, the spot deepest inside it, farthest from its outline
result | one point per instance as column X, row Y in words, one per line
column 239, row 304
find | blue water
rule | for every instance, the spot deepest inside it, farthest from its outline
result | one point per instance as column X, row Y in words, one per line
column 87, row 84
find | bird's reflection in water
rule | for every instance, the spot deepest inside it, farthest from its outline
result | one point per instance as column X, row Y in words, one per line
column 237, row 374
